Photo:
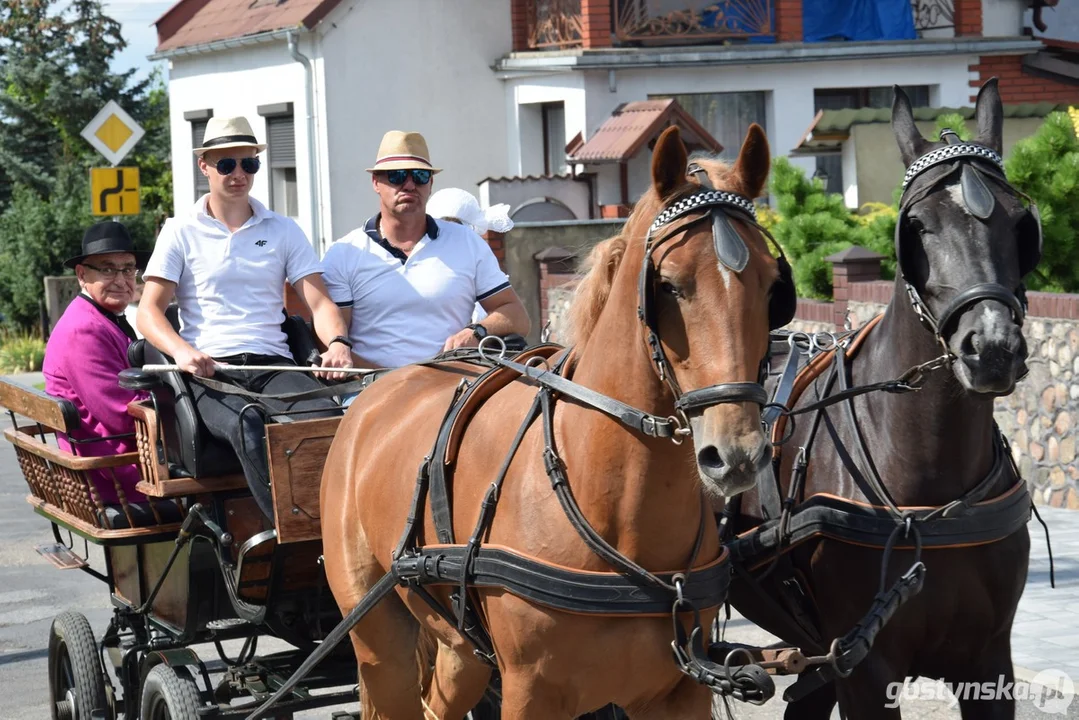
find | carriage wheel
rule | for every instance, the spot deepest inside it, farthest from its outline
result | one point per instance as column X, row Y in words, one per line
column 76, row 680
column 169, row 693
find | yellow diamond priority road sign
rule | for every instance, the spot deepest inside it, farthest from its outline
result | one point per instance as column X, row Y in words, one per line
column 112, row 132
column 114, row 191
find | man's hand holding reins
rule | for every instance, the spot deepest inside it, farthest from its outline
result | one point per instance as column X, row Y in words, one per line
column 336, row 356
column 194, row 361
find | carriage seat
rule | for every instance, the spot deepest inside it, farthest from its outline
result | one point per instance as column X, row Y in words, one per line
column 192, row 451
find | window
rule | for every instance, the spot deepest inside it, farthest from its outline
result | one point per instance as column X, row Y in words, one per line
column 830, row 167
column 281, row 150
column 198, row 119
column 554, row 139
column 726, row 116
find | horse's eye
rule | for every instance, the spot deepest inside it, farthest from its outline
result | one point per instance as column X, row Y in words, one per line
column 667, row 287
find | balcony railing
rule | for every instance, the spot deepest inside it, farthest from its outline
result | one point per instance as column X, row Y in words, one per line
column 933, row 15
column 554, row 23
column 672, row 20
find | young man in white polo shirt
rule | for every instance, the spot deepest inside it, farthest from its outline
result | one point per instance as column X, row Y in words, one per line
column 226, row 263
column 407, row 283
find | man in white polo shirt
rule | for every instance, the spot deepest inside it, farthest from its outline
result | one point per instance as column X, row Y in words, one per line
column 226, row 263
column 407, row 283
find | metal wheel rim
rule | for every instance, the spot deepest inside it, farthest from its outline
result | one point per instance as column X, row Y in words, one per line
column 65, row 697
column 159, row 709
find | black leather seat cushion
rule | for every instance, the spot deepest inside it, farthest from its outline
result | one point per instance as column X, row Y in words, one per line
column 115, row 518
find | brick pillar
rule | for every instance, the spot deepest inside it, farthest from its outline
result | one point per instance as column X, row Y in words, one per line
column 519, row 14
column 294, row 304
column 788, row 18
column 596, row 23
column 556, row 267
column 497, row 242
column 968, row 17
column 855, row 264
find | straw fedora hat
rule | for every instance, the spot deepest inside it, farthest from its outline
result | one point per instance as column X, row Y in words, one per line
column 228, row 132
column 403, row 151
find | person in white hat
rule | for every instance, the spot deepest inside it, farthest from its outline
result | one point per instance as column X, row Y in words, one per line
column 226, row 262
column 407, row 282
column 460, row 206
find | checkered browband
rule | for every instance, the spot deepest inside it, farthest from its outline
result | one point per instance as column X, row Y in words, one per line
column 703, row 199
column 950, row 152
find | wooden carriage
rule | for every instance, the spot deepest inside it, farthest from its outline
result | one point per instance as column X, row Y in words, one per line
column 196, row 563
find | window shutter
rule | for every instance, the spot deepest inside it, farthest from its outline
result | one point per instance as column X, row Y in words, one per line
column 198, row 132
column 281, row 139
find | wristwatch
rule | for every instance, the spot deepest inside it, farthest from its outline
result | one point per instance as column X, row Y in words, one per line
column 478, row 330
column 343, row 340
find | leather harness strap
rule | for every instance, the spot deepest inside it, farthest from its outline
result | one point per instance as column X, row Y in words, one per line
column 811, row 372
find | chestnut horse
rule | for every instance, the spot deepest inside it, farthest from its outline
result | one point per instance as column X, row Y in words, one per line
column 965, row 241
column 642, row 494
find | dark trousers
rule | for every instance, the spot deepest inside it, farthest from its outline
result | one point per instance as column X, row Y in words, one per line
column 229, row 418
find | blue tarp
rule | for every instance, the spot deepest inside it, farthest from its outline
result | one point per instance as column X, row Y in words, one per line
column 854, row 20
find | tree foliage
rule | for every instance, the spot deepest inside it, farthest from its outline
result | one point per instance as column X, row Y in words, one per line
column 814, row 224
column 1046, row 167
column 56, row 73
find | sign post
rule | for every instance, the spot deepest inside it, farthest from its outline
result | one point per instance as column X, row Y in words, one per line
column 113, row 133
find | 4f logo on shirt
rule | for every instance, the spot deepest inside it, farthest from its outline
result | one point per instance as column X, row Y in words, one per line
column 260, row 243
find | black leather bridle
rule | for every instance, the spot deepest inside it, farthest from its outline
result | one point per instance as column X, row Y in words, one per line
column 719, row 206
column 976, row 163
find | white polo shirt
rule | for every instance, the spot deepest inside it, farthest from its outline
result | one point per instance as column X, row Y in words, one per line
column 230, row 286
column 405, row 307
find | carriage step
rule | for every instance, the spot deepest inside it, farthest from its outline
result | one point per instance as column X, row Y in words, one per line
column 61, row 556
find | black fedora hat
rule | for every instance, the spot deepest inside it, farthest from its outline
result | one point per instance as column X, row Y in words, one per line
column 108, row 237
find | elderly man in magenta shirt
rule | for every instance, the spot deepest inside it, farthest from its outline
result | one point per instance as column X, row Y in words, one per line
column 88, row 348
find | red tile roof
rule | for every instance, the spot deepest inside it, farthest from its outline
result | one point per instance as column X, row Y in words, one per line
column 195, row 22
column 631, row 125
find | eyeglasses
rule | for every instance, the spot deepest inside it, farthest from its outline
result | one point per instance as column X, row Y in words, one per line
column 250, row 165
column 398, row 177
column 129, row 272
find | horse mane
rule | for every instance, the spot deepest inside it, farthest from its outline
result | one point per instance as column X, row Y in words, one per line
column 601, row 264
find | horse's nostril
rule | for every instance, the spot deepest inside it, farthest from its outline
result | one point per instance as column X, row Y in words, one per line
column 972, row 344
column 709, row 457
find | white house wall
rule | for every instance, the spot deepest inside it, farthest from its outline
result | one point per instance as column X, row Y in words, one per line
column 789, row 91
column 1003, row 18
column 236, row 82
column 850, row 175
column 524, row 97
column 418, row 65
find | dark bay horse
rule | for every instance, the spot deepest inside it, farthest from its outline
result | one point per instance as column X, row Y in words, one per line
column 965, row 241
column 643, row 495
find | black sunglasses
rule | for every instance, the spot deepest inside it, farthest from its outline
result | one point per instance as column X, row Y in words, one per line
column 250, row 165
column 398, row 177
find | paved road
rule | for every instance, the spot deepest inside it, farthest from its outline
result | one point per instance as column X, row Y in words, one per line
column 32, row 592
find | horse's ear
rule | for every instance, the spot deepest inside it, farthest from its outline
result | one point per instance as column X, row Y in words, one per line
column 754, row 161
column 669, row 161
column 989, row 112
column 911, row 143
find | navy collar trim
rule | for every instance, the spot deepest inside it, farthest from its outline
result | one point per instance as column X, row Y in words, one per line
column 371, row 228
